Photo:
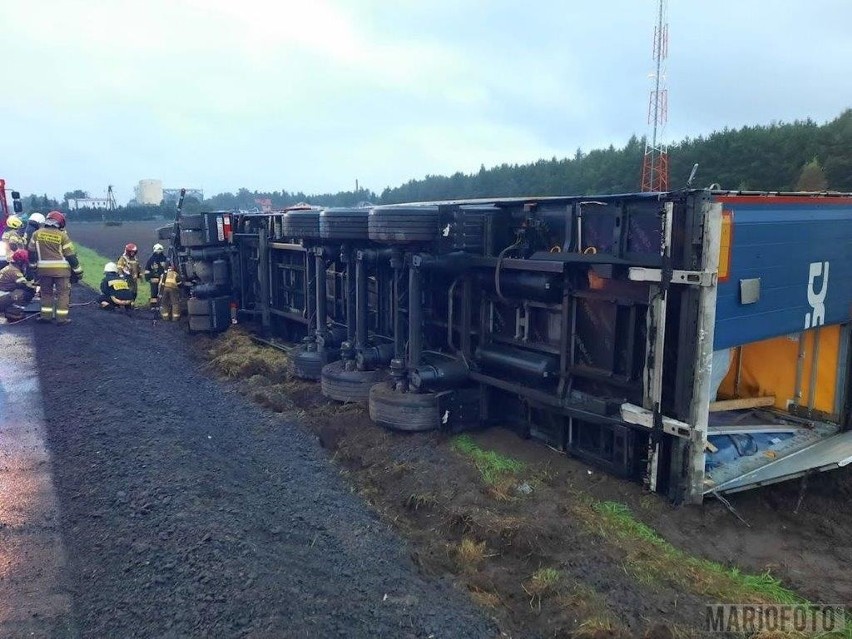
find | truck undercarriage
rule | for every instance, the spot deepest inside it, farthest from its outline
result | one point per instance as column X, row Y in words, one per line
column 687, row 340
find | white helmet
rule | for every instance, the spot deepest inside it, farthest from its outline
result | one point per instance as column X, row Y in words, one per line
column 158, row 248
column 110, row 267
column 36, row 218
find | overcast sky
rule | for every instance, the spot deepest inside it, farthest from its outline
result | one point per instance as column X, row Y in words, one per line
column 314, row 94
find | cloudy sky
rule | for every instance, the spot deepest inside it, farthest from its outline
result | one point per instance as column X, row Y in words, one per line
column 314, row 94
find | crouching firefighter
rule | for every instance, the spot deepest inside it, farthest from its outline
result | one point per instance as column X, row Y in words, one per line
column 155, row 269
column 56, row 261
column 170, row 294
column 16, row 290
column 115, row 290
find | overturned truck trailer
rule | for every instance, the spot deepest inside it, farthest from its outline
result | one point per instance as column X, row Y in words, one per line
column 695, row 341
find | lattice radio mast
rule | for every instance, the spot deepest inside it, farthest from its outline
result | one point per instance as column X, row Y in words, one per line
column 655, row 164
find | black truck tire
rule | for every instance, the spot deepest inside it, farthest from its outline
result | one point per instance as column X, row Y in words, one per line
column 410, row 412
column 344, row 224
column 301, row 225
column 309, row 364
column 348, row 386
column 404, row 224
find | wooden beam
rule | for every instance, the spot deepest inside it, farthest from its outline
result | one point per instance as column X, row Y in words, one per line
column 745, row 402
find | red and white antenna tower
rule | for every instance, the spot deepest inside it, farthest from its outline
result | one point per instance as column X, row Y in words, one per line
column 655, row 164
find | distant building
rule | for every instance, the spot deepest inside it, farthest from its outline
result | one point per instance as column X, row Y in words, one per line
column 171, row 196
column 88, row 203
column 149, row 192
column 265, row 204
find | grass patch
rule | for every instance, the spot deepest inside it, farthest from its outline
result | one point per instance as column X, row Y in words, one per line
column 93, row 272
column 491, row 465
column 652, row 559
column 484, row 598
column 236, row 355
column 543, row 583
column 590, row 607
column 421, row 501
column 470, row 554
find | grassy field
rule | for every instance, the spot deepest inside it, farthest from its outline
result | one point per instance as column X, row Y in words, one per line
column 93, row 271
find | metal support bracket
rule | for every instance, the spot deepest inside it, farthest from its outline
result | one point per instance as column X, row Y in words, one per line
column 639, row 416
column 690, row 278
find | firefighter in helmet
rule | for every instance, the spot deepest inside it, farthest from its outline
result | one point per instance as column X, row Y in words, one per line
column 155, row 268
column 34, row 222
column 16, row 290
column 115, row 290
column 58, row 268
column 130, row 267
column 170, row 294
column 12, row 235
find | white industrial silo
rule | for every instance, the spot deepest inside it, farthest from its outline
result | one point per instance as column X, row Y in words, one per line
column 149, row 192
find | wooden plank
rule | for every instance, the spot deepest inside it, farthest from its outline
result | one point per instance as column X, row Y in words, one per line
column 745, row 402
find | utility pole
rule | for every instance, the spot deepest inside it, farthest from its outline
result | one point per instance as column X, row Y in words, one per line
column 111, row 206
column 655, row 163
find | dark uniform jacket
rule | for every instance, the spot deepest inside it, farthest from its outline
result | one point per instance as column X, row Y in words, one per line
column 155, row 267
column 116, row 289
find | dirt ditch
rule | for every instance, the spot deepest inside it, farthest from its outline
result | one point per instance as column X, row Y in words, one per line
column 533, row 546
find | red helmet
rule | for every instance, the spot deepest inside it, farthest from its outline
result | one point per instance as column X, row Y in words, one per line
column 131, row 249
column 56, row 218
column 21, row 257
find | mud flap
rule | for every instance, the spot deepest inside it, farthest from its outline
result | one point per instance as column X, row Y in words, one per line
column 458, row 410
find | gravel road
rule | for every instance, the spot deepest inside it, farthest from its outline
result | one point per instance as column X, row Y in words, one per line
column 188, row 511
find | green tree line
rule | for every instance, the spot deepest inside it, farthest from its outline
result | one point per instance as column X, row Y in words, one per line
column 801, row 155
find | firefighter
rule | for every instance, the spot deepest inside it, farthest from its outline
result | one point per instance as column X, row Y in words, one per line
column 12, row 235
column 34, row 223
column 13, row 227
column 16, row 290
column 56, row 263
column 170, row 294
column 129, row 265
column 115, row 290
column 154, row 270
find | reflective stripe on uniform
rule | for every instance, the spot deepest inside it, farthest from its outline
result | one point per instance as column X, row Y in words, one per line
column 61, row 311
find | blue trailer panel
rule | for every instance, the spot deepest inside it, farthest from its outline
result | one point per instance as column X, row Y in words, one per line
column 789, row 267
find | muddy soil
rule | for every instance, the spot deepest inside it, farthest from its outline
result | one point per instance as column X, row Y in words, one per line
column 436, row 499
column 809, row 549
column 188, row 511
